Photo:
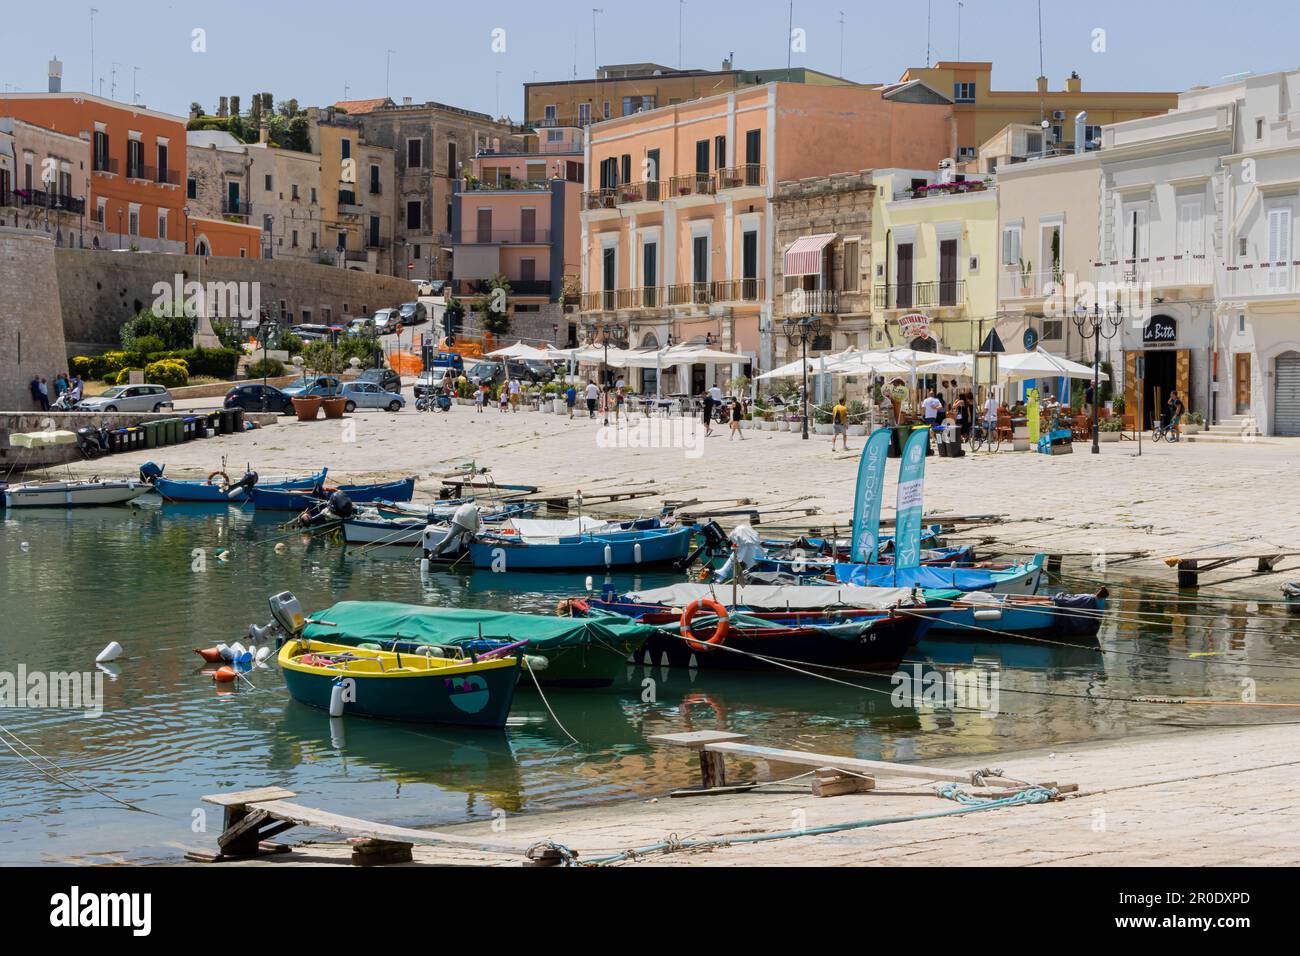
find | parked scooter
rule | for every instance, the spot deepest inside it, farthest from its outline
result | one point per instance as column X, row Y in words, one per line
column 93, row 442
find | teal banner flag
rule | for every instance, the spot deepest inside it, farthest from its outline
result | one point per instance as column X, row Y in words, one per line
column 866, row 503
column 910, row 507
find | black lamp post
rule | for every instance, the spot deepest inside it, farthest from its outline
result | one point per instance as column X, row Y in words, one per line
column 1100, row 323
column 619, row 334
column 800, row 332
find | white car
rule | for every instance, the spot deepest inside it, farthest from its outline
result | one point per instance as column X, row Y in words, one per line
column 387, row 321
column 128, row 398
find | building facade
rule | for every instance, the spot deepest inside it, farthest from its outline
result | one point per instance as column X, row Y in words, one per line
column 432, row 147
column 285, row 191
column 516, row 216
column 138, row 158
column 44, row 181
column 217, row 175
column 356, row 193
column 628, row 88
column 678, row 218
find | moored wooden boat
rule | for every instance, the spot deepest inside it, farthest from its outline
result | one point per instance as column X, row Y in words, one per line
column 73, row 494
column 271, row 499
column 391, row 685
column 218, row 488
column 1023, row 578
column 590, row 551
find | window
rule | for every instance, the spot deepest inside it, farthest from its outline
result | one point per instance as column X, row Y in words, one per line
column 1052, row 330
column 1011, row 246
column 452, row 166
column 414, row 153
column 554, row 136
column 963, row 93
column 1091, row 134
column 852, row 265
column 345, row 148
column 965, row 152
column 133, row 221
column 313, row 240
column 607, row 109
column 134, row 159
column 450, row 216
column 101, row 204
column 266, row 222
column 1058, row 133
column 636, row 104
column 719, row 152
column 162, row 223
column 414, row 214
column 293, row 191
column 313, row 195
column 1243, row 247
column 374, row 178
column 1259, row 129
column 584, row 114
column 702, row 157
column 101, row 151
column 415, row 252
column 267, row 186
column 374, row 232
column 191, row 188
column 549, row 112
column 625, row 173
column 293, row 244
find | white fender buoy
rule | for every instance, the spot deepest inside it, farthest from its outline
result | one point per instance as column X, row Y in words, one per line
column 424, row 565
column 25, row 546
column 280, row 547
column 263, row 653
column 223, row 651
column 988, row 614
column 110, row 653
column 636, row 552
column 336, row 699
column 223, row 556
column 589, row 582
column 609, row 556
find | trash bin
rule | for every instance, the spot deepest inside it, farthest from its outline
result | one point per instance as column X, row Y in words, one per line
column 236, row 419
column 116, row 441
column 897, row 439
column 150, row 430
column 187, row 429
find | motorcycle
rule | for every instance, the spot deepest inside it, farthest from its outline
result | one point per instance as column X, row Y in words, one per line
column 64, row 403
column 93, row 442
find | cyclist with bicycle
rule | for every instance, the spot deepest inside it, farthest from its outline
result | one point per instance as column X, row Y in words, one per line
column 1168, row 428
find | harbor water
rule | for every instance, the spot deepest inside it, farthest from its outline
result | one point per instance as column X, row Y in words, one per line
column 163, row 580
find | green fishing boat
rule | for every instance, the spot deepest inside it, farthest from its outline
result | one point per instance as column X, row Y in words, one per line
column 563, row 651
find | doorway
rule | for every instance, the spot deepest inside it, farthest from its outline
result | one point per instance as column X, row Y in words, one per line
column 1241, row 383
column 1161, row 380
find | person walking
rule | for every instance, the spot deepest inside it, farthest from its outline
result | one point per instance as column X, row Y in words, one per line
column 570, row 399
column 593, row 395
column 1176, row 411
column 712, row 401
column 961, row 416
column 514, row 394
column 736, row 412
column 620, row 396
column 991, row 415
column 931, row 409
column 840, row 424
column 480, row 398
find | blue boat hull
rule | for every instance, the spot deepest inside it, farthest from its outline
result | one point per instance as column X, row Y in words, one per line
column 1023, row 579
column 587, row 553
column 1078, row 618
column 267, row 499
column 174, row 490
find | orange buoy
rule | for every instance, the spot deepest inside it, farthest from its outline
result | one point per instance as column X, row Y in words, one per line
column 225, row 675
column 719, row 629
column 209, row 654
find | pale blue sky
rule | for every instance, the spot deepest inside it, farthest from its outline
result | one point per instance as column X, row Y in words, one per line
column 443, row 51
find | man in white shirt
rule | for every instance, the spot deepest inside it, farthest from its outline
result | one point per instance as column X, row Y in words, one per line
column 593, row 393
column 930, row 408
column 712, row 400
column 514, row 394
column 991, row 413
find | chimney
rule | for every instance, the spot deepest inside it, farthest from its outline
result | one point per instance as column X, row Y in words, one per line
column 726, row 64
column 1074, row 84
column 1080, row 127
column 406, row 101
column 1042, row 84
column 262, row 136
column 56, row 75
column 223, row 107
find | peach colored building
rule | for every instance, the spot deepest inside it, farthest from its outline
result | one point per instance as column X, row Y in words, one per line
column 137, row 184
column 517, row 216
column 224, row 237
column 678, row 226
column 44, row 181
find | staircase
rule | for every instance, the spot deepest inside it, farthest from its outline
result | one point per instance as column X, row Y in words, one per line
column 1231, row 430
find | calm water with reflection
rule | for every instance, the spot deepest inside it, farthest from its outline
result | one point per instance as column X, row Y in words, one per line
column 73, row 581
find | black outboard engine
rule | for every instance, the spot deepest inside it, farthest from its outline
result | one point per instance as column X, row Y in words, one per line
column 336, row 508
column 150, row 471
column 243, row 485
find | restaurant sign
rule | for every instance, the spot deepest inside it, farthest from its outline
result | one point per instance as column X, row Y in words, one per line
column 1160, row 333
column 914, row 326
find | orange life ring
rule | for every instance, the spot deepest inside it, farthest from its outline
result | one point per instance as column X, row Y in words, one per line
column 720, row 629
column 225, row 478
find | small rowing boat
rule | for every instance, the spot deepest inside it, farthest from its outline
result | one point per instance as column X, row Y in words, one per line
column 218, row 488
column 273, row 499
column 637, row 546
column 72, row 494
column 1025, row 578
column 422, row 688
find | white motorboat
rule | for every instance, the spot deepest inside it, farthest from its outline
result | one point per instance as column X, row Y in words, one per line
column 73, row 494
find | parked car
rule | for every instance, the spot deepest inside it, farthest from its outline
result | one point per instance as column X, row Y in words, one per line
column 362, row 326
column 310, row 332
column 386, row 321
column 322, row 386
column 370, row 395
column 129, row 398
column 385, row 378
column 413, row 313
column 535, row 373
column 431, row 381
column 259, row 398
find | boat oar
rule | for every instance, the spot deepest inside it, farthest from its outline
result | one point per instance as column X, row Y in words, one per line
column 502, row 651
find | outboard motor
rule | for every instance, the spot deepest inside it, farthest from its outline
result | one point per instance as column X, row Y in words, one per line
column 338, row 507
column 150, row 471
column 714, row 542
column 748, row 551
column 341, row 506
column 243, row 485
column 465, row 523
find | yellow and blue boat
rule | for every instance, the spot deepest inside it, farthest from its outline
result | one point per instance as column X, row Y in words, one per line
column 393, row 685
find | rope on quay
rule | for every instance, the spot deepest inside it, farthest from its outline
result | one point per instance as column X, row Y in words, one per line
column 968, row 804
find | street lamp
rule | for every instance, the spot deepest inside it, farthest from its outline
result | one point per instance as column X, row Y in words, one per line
column 619, row 334
column 1100, row 323
column 800, row 332
column 119, row 227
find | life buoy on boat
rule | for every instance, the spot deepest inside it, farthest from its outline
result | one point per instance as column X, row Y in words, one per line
column 720, row 628
column 225, row 478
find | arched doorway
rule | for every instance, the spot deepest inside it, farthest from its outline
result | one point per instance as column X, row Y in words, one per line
column 1286, row 394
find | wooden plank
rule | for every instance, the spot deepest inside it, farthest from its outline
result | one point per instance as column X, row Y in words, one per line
column 242, row 838
column 713, row 769
column 830, row 782
column 695, row 739
column 875, row 768
column 352, row 826
column 241, row 797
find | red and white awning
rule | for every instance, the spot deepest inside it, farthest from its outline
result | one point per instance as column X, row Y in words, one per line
column 804, row 257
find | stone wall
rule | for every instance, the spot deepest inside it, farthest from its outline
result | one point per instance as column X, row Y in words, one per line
column 102, row 290
column 31, row 334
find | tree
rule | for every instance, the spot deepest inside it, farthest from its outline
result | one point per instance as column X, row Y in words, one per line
column 196, row 108
column 493, row 306
column 176, row 331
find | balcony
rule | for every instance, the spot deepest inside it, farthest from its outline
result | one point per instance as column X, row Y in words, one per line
column 638, row 194
column 920, row 295
column 594, row 200
column 647, row 297
column 1159, row 272
column 105, row 164
column 356, row 255
column 1263, row 280
column 748, row 176
column 696, row 186
column 738, row 290
column 504, row 237
column 375, row 242
column 234, row 208
column 41, row 199
column 1014, row 284
column 812, row 302
column 505, row 185
column 152, row 174
column 348, row 205
column 682, row 294
column 529, row 287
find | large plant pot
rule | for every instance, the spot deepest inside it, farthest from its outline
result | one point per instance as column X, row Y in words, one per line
column 857, row 431
column 307, row 408
column 1106, row 437
column 1191, row 428
column 823, row 429
column 334, row 407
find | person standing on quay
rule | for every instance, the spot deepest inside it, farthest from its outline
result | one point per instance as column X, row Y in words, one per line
column 570, row 399
column 840, row 424
column 736, row 412
column 593, row 394
column 514, row 394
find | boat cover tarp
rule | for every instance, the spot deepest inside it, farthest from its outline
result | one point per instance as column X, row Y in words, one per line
column 533, row 530
column 42, row 439
column 883, row 575
column 760, row 597
column 381, row 622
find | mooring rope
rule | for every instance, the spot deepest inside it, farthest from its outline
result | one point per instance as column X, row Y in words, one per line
column 86, row 786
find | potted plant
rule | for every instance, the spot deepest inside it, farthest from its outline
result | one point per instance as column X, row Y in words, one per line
column 334, row 403
column 306, row 407
column 1026, row 280
column 1193, row 423
column 822, row 422
column 1110, row 430
column 857, row 419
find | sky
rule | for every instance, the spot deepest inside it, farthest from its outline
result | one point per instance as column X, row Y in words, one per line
column 478, row 56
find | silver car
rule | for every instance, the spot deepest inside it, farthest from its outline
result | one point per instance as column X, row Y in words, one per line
column 370, row 395
column 386, row 321
column 129, row 398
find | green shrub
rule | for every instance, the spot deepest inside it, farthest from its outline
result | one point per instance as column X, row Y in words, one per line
column 89, row 367
column 265, row 368
column 150, row 344
column 172, row 373
column 123, row 377
column 114, row 362
column 173, row 331
column 291, row 343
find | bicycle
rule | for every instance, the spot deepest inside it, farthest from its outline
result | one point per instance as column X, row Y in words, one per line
column 1162, row 432
column 982, row 435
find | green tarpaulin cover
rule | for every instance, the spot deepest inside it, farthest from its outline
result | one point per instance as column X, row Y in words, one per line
column 352, row 622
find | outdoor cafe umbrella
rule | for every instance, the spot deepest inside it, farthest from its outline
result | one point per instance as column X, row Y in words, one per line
column 521, row 351
column 1043, row 364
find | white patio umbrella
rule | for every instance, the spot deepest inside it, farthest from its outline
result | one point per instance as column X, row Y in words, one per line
column 795, row 369
column 1042, row 364
column 521, row 351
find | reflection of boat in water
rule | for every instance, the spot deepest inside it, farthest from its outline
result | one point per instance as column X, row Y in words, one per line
column 1026, row 653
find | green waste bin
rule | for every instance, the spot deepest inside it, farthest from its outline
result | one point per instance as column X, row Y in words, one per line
column 174, row 431
column 150, row 434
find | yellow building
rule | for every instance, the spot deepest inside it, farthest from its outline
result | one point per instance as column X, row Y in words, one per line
column 356, row 189
column 934, row 249
column 981, row 111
